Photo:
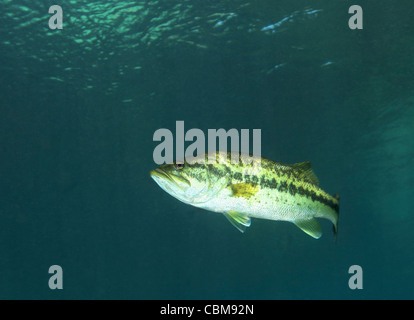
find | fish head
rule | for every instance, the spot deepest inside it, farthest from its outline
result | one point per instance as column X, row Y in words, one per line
column 189, row 182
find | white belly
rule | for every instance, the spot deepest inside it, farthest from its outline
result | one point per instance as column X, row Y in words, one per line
column 270, row 208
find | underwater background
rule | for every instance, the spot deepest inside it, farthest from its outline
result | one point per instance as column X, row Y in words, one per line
column 79, row 107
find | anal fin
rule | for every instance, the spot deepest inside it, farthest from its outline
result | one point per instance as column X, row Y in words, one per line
column 310, row 226
column 240, row 221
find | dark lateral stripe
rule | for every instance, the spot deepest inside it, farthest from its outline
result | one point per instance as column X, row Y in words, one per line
column 281, row 185
column 291, row 188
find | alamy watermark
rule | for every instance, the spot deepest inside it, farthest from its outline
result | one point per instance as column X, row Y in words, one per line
column 56, row 21
column 195, row 152
column 354, row 22
column 356, row 280
column 56, row 280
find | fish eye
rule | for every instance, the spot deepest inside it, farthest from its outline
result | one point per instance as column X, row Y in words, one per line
column 179, row 165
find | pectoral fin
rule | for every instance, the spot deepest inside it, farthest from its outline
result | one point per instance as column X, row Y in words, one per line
column 310, row 226
column 240, row 221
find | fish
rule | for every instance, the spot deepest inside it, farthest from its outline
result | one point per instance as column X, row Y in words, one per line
column 243, row 186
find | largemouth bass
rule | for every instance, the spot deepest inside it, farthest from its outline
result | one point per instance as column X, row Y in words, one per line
column 251, row 187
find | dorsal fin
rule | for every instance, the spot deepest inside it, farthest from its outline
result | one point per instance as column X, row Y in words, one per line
column 307, row 173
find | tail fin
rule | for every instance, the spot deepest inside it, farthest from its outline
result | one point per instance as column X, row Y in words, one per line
column 335, row 224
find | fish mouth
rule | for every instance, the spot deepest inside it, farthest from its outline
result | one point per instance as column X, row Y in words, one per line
column 158, row 173
column 167, row 180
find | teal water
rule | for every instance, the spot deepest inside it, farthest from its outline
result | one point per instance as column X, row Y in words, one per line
column 79, row 107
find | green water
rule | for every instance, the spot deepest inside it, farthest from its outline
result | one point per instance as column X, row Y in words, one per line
column 79, row 107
